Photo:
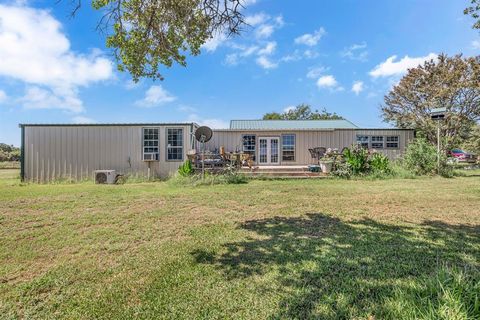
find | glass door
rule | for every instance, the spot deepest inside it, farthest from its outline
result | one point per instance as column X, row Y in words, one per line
column 268, row 150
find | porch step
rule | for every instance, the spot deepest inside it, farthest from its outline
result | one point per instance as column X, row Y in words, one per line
column 283, row 173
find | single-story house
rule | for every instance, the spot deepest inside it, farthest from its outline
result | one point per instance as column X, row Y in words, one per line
column 75, row 151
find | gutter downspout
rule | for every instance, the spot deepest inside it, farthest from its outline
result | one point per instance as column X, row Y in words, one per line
column 22, row 154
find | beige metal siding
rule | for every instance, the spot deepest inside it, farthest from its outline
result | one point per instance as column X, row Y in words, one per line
column 74, row 152
column 307, row 139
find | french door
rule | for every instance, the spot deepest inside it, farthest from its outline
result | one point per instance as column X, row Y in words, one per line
column 268, row 150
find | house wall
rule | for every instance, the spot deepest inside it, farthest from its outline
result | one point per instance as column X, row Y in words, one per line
column 74, row 152
column 339, row 138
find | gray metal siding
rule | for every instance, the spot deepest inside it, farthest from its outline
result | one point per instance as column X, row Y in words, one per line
column 74, row 152
column 232, row 140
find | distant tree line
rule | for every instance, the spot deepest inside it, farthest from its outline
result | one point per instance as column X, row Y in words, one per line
column 9, row 152
column 302, row 112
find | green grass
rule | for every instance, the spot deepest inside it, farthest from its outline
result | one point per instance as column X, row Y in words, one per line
column 280, row 249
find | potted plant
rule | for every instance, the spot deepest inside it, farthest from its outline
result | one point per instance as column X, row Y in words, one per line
column 326, row 164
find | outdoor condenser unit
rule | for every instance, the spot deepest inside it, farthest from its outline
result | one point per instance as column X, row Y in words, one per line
column 105, row 176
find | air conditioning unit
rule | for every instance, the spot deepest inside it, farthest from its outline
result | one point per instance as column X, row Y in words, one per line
column 105, row 176
column 153, row 156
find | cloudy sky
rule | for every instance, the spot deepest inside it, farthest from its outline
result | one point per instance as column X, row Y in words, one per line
column 341, row 55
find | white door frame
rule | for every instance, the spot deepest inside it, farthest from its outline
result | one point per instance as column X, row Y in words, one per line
column 269, row 158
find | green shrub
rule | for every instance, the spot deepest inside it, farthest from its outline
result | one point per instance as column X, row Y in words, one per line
column 186, row 169
column 380, row 164
column 342, row 170
column 357, row 159
column 421, row 157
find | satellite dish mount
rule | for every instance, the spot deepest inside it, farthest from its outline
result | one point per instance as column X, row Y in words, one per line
column 203, row 135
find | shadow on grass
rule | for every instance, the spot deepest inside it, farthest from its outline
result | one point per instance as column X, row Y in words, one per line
column 328, row 268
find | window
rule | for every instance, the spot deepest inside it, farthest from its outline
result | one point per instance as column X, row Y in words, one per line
column 150, row 144
column 248, row 145
column 288, row 147
column 393, row 142
column 363, row 141
column 174, row 144
column 377, row 142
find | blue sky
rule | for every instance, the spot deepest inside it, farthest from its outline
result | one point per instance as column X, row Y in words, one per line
column 341, row 55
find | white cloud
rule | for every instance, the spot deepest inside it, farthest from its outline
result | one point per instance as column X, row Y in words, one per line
column 3, row 96
column 266, row 63
column 476, row 44
column 155, row 96
column 56, row 98
column 288, row 109
column 357, row 87
column 309, row 39
column 264, row 31
column 214, row 42
column 83, row 120
column 212, row 122
column 356, row 52
column 390, row 67
column 256, row 19
column 34, row 50
column 268, row 49
column 314, row 73
column 329, row 82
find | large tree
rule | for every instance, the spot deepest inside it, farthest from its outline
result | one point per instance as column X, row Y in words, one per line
column 146, row 34
column 302, row 112
column 474, row 11
column 450, row 82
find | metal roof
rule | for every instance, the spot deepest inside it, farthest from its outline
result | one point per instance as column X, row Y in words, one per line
column 106, row 124
column 290, row 124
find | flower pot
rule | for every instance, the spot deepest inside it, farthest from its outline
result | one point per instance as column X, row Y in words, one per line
column 326, row 166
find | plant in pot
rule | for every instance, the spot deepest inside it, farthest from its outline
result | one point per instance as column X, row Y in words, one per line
column 327, row 161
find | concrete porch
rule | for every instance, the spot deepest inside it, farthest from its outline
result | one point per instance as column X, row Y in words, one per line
column 293, row 171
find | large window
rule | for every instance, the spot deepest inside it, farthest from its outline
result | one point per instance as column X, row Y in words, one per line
column 174, row 144
column 288, row 147
column 393, row 142
column 249, row 145
column 363, row 141
column 150, row 144
column 377, row 142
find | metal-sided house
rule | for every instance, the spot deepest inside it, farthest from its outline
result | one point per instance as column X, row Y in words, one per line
column 58, row 151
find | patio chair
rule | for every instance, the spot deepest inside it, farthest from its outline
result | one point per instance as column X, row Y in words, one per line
column 313, row 154
column 320, row 151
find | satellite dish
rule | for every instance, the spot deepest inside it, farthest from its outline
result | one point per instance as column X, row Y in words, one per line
column 203, row 134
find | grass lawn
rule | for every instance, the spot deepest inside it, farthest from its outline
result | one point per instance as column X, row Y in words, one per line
column 327, row 249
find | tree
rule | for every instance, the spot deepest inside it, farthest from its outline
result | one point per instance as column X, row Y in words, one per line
column 450, row 82
column 145, row 34
column 472, row 144
column 474, row 11
column 302, row 112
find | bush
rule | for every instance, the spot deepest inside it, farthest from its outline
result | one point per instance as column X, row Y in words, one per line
column 421, row 159
column 186, row 169
column 357, row 158
column 342, row 170
column 380, row 164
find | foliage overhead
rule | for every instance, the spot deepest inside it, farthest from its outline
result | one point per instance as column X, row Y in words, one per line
column 474, row 11
column 145, row 34
column 302, row 112
column 450, row 82
column 472, row 144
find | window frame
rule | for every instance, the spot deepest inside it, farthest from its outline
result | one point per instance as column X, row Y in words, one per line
column 157, row 154
column 397, row 142
column 372, row 142
column 254, row 151
column 182, row 147
column 361, row 143
column 294, row 146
